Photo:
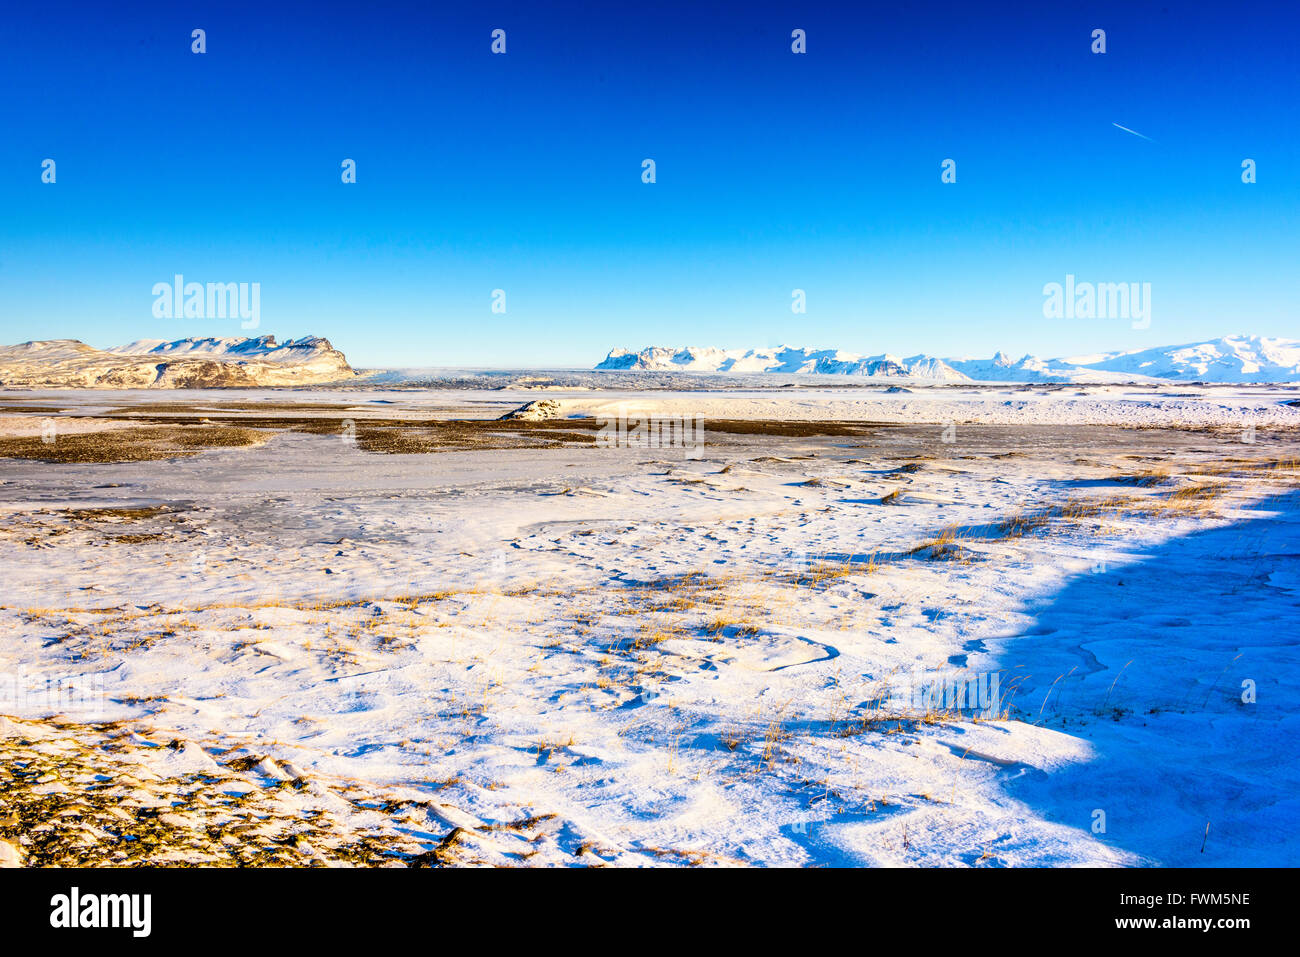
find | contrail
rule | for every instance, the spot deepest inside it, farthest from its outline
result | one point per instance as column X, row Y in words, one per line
column 1134, row 132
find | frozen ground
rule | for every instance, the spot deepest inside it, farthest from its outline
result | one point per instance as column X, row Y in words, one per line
column 311, row 652
column 985, row 405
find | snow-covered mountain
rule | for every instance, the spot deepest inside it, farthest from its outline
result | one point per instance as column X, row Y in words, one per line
column 1232, row 359
column 305, row 349
column 783, row 359
column 1003, row 368
column 183, row 363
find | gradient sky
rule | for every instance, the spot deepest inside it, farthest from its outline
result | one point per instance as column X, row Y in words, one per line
column 775, row 171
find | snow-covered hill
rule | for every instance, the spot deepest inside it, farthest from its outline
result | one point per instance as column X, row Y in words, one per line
column 184, row 363
column 1233, row 359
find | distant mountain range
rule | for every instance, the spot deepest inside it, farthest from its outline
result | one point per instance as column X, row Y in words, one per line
column 183, row 363
column 261, row 361
column 1230, row 359
column 784, row 359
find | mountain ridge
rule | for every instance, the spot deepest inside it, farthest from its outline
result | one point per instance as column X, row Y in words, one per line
column 189, row 363
column 1228, row 359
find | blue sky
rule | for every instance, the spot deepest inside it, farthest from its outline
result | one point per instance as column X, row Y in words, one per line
column 775, row 171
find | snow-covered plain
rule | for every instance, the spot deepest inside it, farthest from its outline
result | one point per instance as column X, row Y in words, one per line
column 640, row 656
column 988, row 405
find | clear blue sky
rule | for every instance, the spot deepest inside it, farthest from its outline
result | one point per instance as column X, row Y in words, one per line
column 775, row 171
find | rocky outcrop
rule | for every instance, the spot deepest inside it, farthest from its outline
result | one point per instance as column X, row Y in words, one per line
column 183, row 364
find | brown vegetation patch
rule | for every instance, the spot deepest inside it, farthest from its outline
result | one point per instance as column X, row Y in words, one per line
column 130, row 445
